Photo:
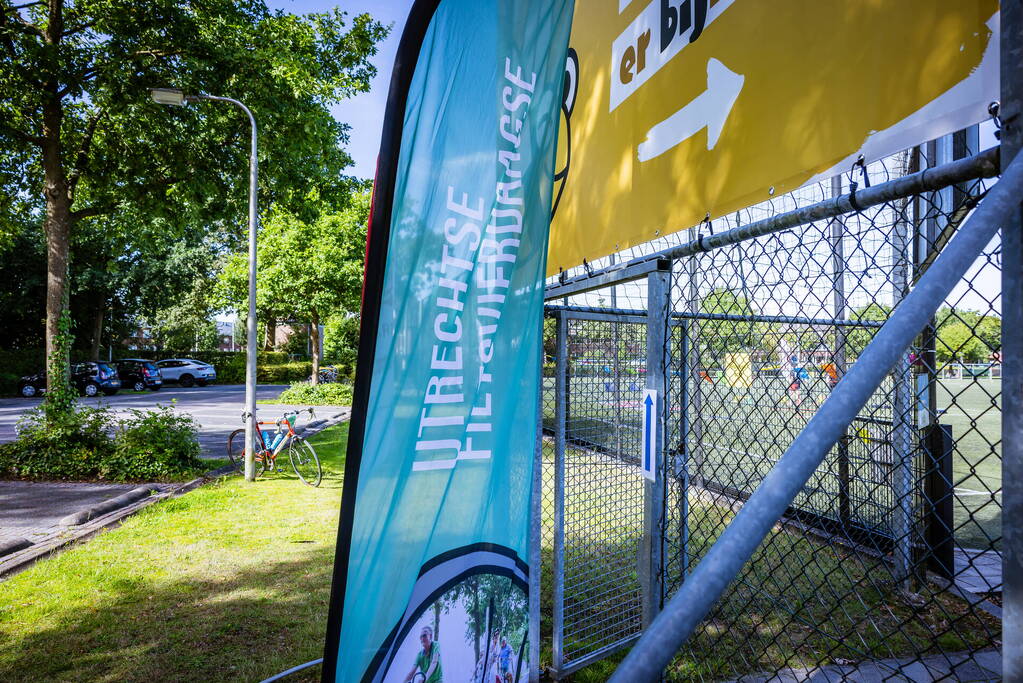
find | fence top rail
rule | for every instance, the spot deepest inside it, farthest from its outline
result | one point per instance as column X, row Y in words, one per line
column 983, row 165
column 610, row 313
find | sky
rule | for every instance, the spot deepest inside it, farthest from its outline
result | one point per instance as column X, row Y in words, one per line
column 365, row 113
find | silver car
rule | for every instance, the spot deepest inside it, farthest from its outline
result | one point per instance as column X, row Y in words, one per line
column 186, row 371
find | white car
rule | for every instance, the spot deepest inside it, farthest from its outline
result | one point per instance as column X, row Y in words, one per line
column 186, row 371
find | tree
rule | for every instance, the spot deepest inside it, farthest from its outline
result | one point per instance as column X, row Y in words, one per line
column 493, row 596
column 966, row 336
column 341, row 339
column 80, row 140
column 725, row 336
column 308, row 270
column 857, row 338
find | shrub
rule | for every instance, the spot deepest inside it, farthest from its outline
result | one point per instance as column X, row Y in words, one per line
column 341, row 340
column 304, row 393
column 284, row 373
column 86, row 443
column 69, row 445
column 153, row 445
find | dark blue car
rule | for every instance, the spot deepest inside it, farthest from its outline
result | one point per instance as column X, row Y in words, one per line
column 89, row 378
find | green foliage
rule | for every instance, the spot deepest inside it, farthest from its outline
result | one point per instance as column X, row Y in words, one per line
column 297, row 343
column 727, row 336
column 857, row 338
column 492, row 596
column 87, row 443
column 967, row 336
column 287, row 68
column 308, row 268
column 174, row 294
column 132, row 182
column 304, row 393
column 59, row 445
column 153, row 445
column 23, row 273
column 341, row 340
column 60, row 394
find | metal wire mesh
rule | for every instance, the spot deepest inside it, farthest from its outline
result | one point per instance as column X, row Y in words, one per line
column 889, row 557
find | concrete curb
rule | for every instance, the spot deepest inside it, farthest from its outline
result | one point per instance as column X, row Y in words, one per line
column 99, row 517
column 24, row 557
column 83, row 516
column 320, row 425
column 13, row 545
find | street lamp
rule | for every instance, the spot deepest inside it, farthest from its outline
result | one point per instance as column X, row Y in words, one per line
column 178, row 98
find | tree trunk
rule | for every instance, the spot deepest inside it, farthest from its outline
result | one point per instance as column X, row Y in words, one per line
column 477, row 618
column 271, row 334
column 57, row 224
column 436, row 620
column 314, row 342
column 97, row 332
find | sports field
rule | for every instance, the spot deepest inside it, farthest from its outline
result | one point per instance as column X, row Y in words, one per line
column 738, row 434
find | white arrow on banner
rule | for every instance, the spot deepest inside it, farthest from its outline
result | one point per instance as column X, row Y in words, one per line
column 709, row 110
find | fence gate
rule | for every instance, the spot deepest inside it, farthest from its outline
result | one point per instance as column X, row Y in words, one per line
column 602, row 518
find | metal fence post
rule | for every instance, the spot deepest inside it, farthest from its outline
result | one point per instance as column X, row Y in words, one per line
column 536, row 532
column 902, row 413
column 838, row 353
column 1012, row 350
column 560, row 407
column 652, row 547
column 938, row 489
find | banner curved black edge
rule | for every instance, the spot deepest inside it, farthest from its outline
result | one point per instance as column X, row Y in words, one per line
column 376, row 258
column 447, row 570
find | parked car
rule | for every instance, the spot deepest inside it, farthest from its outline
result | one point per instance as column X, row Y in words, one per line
column 88, row 378
column 187, row 371
column 139, row 374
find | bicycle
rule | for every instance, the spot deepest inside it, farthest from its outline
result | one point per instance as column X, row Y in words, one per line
column 328, row 375
column 269, row 444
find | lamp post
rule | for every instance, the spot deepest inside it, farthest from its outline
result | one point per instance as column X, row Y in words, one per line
column 178, row 98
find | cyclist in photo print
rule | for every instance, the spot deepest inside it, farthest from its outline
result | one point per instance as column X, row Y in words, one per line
column 427, row 664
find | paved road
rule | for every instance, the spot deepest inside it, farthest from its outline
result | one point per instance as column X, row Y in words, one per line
column 33, row 510
column 217, row 408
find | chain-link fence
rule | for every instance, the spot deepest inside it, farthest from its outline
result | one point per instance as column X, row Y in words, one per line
column 888, row 561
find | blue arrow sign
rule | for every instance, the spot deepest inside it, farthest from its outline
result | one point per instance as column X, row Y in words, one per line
column 649, row 434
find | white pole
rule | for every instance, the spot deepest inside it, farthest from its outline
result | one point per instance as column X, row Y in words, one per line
column 177, row 98
column 250, row 348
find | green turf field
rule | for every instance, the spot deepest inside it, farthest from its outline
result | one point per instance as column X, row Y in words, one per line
column 740, row 433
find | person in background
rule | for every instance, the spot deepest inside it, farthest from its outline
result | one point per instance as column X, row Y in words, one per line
column 505, row 657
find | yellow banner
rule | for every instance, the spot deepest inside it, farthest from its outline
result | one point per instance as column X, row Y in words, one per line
column 681, row 109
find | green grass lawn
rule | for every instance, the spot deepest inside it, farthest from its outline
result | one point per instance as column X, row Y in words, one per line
column 799, row 600
column 229, row 582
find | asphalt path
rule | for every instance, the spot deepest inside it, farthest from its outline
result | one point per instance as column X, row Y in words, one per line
column 217, row 408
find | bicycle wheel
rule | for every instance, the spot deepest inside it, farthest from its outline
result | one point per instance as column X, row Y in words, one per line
column 236, row 453
column 304, row 461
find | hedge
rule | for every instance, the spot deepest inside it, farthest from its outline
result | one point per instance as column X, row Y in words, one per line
column 90, row 443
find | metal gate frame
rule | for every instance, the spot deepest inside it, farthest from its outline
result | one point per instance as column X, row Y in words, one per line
column 649, row 551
